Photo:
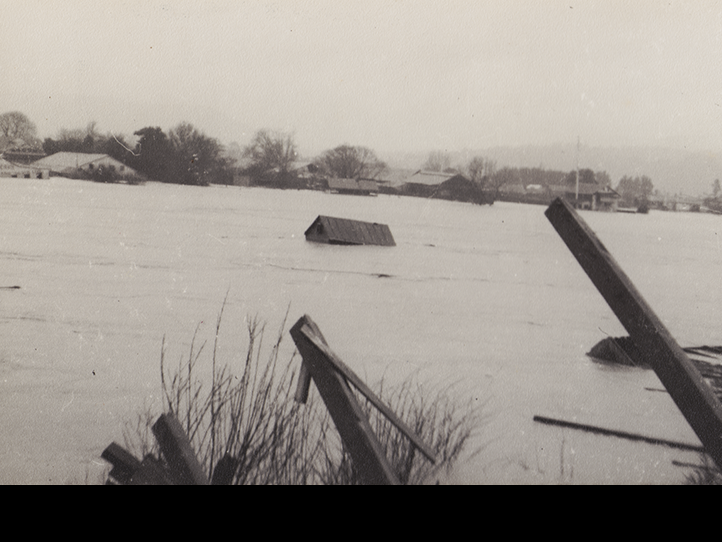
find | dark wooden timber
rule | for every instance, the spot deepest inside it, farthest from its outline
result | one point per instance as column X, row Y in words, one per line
column 124, row 463
column 304, row 376
column 618, row 434
column 356, row 433
column 177, row 450
column 679, row 376
column 225, row 471
column 359, row 384
column 304, row 384
column 127, row 470
column 150, row 473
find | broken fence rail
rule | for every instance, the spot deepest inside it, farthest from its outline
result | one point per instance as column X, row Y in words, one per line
column 183, row 467
column 692, row 395
column 332, row 378
column 619, row 434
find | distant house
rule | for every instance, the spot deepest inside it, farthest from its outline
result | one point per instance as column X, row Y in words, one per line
column 68, row 163
column 590, row 196
column 342, row 231
column 422, row 183
column 358, row 187
column 459, row 188
column 18, row 152
column 22, row 171
column 305, row 170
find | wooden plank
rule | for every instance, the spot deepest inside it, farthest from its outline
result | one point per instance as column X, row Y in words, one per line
column 351, row 423
column 177, row 450
column 150, row 473
column 225, row 471
column 679, row 376
column 304, row 384
column 124, row 463
column 619, row 434
column 359, row 384
column 304, row 376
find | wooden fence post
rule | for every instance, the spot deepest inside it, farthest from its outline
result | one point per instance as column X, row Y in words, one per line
column 358, row 437
column 124, row 463
column 679, row 376
column 177, row 450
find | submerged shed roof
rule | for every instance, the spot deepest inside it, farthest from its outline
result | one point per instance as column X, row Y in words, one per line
column 343, row 231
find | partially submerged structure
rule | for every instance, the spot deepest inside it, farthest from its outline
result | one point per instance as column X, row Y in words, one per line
column 624, row 351
column 22, row 171
column 354, row 187
column 343, row 231
column 590, row 196
column 69, row 163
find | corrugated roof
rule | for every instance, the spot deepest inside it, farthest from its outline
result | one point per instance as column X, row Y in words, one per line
column 349, row 232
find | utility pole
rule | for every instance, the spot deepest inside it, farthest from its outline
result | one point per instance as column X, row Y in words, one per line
column 577, row 194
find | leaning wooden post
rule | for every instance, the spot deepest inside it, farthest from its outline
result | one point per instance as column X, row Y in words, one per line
column 683, row 381
column 353, row 426
column 176, row 448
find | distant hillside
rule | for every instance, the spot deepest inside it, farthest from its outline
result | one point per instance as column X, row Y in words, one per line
column 671, row 170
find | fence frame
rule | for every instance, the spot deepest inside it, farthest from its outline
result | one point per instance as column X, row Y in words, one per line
column 332, row 378
column 692, row 395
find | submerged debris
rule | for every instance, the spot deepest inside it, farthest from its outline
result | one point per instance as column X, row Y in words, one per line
column 623, row 351
column 342, row 231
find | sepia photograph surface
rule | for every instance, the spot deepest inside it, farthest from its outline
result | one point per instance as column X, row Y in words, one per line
column 370, row 242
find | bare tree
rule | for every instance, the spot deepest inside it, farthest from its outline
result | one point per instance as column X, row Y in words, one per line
column 16, row 125
column 197, row 158
column 271, row 151
column 603, row 178
column 347, row 162
column 437, row 161
column 480, row 170
column 501, row 178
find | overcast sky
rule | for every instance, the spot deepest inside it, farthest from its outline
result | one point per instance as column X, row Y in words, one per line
column 392, row 75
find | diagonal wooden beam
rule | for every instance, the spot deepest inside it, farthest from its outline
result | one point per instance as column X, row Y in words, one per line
column 351, row 422
column 179, row 454
column 359, row 384
column 680, row 377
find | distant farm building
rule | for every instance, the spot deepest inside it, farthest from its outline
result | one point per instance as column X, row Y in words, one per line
column 69, row 163
column 342, row 231
column 423, row 183
column 459, row 188
column 590, row 196
column 22, row 171
column 20, row 153
column 356, row 187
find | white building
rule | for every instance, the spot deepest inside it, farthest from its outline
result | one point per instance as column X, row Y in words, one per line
column 64, row 163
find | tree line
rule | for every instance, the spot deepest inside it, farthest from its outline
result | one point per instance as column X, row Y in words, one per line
column 634, row 191
column 185, row 155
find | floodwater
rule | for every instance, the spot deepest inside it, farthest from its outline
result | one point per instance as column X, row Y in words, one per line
column 486, row 300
